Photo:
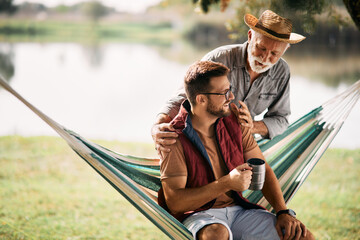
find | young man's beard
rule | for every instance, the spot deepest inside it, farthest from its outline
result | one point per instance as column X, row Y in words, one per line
column 218, row 111
column 258, row 69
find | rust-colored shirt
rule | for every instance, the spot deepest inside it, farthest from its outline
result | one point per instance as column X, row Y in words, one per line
column 173, row 164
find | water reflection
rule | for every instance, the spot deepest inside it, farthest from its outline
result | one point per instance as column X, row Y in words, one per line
column 7, row 68
column 118, row 95
column 93, row 52
column 328, row 67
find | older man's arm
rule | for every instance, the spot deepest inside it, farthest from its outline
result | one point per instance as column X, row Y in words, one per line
column 162, row 131
column 276, row 118
column 172, row 106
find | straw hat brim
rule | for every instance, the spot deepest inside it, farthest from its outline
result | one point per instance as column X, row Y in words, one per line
column 251, row 21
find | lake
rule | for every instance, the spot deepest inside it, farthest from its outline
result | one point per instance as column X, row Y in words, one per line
column 113, row 91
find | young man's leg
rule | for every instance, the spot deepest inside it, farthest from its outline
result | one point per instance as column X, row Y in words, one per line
column 255, row 224
column 209, row 224
column 215, row 231
column 252, row 224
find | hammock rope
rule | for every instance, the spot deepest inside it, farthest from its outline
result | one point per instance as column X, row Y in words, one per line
column 292, row 155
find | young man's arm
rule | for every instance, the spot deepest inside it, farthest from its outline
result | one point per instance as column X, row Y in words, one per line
column 272, row 193
column 271, row 190
column 180, row 199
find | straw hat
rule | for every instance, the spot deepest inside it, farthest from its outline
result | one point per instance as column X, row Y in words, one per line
column 273, row 26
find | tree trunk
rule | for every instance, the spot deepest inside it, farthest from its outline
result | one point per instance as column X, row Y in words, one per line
column 353, row 7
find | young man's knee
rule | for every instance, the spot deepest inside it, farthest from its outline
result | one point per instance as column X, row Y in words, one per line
column 214, row 231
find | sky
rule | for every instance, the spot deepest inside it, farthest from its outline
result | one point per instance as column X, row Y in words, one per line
column 135, row 6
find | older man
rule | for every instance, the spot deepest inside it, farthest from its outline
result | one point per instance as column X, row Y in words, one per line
column 205, row 172
column 258, row 74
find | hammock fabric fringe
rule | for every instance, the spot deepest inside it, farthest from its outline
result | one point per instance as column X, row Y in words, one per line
column 291, row 155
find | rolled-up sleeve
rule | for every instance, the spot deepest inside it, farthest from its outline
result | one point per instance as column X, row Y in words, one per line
column 225, row 55
column 276, row 119
column 173, row 163
column 172, row 106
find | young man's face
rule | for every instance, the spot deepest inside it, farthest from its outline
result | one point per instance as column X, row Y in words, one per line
column 264, row 52
column 218, row 105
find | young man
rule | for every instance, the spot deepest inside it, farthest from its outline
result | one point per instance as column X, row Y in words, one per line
column 258, row 74
column 205, row 172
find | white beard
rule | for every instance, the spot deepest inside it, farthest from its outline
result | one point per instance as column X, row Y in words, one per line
column 258, row 69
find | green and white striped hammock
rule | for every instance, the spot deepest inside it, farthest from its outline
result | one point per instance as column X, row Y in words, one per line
column 291, row 155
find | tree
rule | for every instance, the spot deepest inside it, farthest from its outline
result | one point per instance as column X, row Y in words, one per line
column 94, row 10
column 7, row 6
column 353, row 7
column 301, row 12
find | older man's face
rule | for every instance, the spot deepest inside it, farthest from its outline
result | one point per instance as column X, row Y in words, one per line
column 264, row 52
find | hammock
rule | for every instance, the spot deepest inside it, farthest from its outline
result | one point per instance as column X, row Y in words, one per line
column 291, row 155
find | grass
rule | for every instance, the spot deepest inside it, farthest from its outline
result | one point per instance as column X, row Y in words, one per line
column 328, row 201
column 48, row 192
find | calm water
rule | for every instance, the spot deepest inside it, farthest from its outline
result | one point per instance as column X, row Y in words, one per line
column 114, row 91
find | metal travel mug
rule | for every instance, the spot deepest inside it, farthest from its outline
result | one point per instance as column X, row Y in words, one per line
column 258, row 173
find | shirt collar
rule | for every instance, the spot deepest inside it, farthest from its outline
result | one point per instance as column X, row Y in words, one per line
column 192, row 135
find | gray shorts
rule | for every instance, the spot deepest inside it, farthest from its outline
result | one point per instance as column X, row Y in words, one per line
column 241, row 223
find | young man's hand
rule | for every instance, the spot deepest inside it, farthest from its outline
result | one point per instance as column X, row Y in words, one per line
column 240, row 178
column 289, row 227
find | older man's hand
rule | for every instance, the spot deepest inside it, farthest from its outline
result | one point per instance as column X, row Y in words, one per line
column 163, row 135
column 243, row 114
column 244, row 118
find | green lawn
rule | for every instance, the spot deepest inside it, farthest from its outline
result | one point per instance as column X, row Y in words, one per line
column 48, row 192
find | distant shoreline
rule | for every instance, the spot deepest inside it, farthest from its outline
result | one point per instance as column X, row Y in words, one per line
column 14, row 30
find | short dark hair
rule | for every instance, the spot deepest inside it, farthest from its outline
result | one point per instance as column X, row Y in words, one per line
column 198, row 76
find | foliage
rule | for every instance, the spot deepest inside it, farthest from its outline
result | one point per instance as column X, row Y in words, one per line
column 303, row 13
column 62, row 8
column 94, row 10
column 31, row 8
column 353, row 8
column 7, row 6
